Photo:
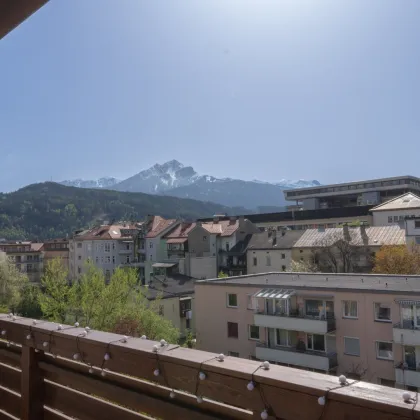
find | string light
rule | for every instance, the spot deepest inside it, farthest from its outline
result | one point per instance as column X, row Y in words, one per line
column 155, row 348
column 163, row 343
column 91, row 370
column 76, row 356
column 59, row 327
column 29, row 336
column 250, row 386
column 143, row 337
column 34, row 321
column 45, row 343
column 103, row 373
column 406, row 396
column 202, row 376
column 342, row 379
column 76, row 324
column 3, row 332
column 156, row 372
column 221, row 357
column 264, row 414
column 124, row 339
column 107, row 356
column 87, row 329
column 199, row 399
column 321, row 400
column 172, row 394
column 265, row 365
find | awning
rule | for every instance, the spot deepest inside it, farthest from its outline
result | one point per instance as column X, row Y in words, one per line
column 164, row 265
column 275, row 293
column 176, row 240
column 185, row 298
column 408, row 302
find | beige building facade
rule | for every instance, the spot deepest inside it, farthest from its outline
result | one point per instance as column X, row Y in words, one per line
column 363, row 326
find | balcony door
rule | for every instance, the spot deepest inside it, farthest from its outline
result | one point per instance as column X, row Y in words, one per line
column 410, row 316
column 319, row 308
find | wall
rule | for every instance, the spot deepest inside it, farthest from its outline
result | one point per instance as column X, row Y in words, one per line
column 277, row 262
column 199, row 241
column 203, row 267
column 380, row 218
column 171, row 313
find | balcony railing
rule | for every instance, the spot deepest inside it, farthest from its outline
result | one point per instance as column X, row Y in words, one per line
column 59, row 374
column 405, row 333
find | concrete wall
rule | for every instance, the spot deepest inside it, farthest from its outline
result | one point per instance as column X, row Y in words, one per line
column 382, row 218
column 203, row 267
column 278, row 263
column 172, row 314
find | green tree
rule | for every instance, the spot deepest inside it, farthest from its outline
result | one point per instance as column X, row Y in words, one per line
column 28, row 305
column 303, row 267
column 56, row 296
column 12, row 284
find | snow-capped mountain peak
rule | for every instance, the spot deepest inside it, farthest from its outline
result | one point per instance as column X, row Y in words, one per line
column 104, row 183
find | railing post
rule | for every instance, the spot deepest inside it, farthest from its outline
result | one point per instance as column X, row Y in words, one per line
column 32, row 385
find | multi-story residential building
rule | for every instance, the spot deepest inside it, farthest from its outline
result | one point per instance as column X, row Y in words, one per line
column 28, row 257
column 175, row 294
column 371, row 192
column 271, row 250
column 56, row 248
column 396, row 210
column 177, row 246
column 219, row 245
column 156, row 252
column 107, row 246
column 346, row 249
column 363, row 326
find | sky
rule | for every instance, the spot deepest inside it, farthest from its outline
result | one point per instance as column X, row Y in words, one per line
column 263, row 89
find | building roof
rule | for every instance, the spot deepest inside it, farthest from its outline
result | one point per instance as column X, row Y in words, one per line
column 358, row 236
column 274, row 239
column 222, row 227
column 158, row 225
column 169, row 286
column 405, row 201
column 105, row 232
column 365, row 283
column 36, row 246
column 179, row 235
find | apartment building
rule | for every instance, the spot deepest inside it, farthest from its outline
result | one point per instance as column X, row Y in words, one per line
column 346, row 249
column 175, row 295
column 56, row 248
column 107, row 246
column 363, row 326
column 271, row 250
column 219, row 245
column 156, row 253
column 350, row 194
column 28, row 257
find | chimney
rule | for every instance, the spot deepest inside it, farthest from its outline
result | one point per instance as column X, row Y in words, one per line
column 215, row 219
column 198, row 223
column 346, row 232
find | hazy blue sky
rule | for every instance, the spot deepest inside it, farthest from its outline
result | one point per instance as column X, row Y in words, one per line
column 249, row 89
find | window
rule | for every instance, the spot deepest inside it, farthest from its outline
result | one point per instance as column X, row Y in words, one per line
column 254, row 332
column 383, row 312
column 79, row 257
column 283, row 267
column 232, row 329
column 151, row 257
column 97, row 259
column 233, row 354
column 113, row 245
column 204, row 238
column 107, row 247
column 384, row 350
column 267, row 260
column 113, row 259
column 351, row 346
column 127, row 260
column 283, row 256
column 227, row 247
column 254, row 261
column 389, row 219
column 350, row 309
column 150, row 245
column 395, row 218
column 29, row 267
column 127, row 246
column 315, row 342
column 108, row 259
column 79, row 245
column 102, row 259
column 417, row 224
column 232, row 300
column 89, row 247
column 79, row 269
column 286, row 338
column 29, row 258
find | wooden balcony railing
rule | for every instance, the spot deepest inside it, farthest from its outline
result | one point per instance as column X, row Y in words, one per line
column 60, row 372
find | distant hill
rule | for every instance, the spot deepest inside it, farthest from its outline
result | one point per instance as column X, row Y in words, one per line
column 49, row 210
column 174, row 179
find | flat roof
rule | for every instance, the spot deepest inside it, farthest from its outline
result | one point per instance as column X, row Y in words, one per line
column 395, row 178
column 366, row 283
column 14, row 12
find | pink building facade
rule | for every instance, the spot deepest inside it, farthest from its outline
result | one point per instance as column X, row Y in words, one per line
column 361, row 326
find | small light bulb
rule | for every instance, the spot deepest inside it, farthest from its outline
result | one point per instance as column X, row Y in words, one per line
column 106, row 356
column 54, row 356
column 264, row 415
column 9, row 344
column 76, row 356
column 124, row 339
column 91, row 370
column 36, row 351
column 76, row 324
column 87, row 329
column 59, row 327
column 199, row 399
column 83, row 334
column 28, row 337
column 34, row 321
column 155, row 348
column 221, row 357
column 156, row 372
column 45, row 343
column 163, row 342
column 266, row 365
column 103, row 373
column 342, row 379
column 250, row 386
column 14, row 318
column 202, row 376
column 3, row 332
column 143, row 337
column 10, row 315
column 321, row 400
column 406, row 396
column 172, row 394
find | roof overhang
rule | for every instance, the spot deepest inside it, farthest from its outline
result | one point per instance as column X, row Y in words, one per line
column 275, row 293
column 14, row 12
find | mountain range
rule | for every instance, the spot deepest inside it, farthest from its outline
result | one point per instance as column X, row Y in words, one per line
column 174, row 179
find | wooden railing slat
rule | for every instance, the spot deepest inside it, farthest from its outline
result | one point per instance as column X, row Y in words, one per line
column 10, row 377
column 7, row 416
column 10, row 402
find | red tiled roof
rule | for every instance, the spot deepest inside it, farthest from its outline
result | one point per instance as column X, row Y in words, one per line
column 158, row 225
column 176, row 240
column 180, row 232
column 222, row 228
column 103, row 232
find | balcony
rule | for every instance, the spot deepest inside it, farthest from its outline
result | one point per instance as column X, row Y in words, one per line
column 291, row 356
column 125, row 251
column 295, row 322
column 35, row 385
column 404, row 333
column 406, row 376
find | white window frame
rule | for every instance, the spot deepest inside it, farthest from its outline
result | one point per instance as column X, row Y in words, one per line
column 312, row 334
column 377, row 350
column 289, row 344
column 227, row 300
column 374, row 312
column 344, row 346
column 107, row 247
column 350, row 316
column 249, row 332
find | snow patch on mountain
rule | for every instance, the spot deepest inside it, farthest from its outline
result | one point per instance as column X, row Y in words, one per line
column 103, row 183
